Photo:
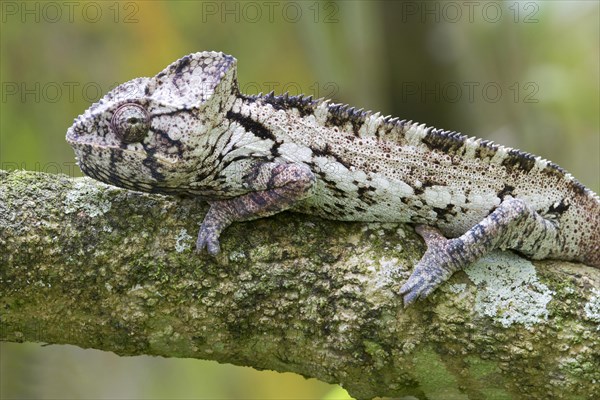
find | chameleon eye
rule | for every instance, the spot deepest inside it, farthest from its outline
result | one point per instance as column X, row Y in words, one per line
column 130, row 122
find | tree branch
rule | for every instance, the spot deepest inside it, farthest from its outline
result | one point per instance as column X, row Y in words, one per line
column 95, row 266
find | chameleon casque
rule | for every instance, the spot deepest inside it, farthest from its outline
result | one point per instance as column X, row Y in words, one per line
column 189, row 131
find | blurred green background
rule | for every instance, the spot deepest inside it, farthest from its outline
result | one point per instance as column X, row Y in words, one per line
column 524, row 74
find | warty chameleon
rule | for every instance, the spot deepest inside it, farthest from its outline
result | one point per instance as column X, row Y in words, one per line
column 189, row 131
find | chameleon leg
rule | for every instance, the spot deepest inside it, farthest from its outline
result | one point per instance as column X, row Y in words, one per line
column 272, row 188
column 513, row 224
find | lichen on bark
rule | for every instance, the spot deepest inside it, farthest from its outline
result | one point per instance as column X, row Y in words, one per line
column 95, row 266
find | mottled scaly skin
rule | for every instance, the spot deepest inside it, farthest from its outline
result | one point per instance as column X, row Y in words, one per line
column 189, row 131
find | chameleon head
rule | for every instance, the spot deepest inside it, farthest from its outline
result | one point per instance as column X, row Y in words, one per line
column 149, row 134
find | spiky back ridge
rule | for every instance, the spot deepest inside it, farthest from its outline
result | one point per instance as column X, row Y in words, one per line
column 366, row 123
column 485, row 170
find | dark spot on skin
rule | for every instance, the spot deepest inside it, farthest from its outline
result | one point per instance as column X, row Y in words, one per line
column 365, row 190
column 519, row 160
column 559, row 208
column 322, row 174
column 117, row 181
column 151, row 164
column 259, row 198
column 332, row 185
column 486, row 150
column 442, row 213
column 340, row 206
column 168, row 113
column 365, row 198
column 444, row 141
column 359, row 209
column 304, row 105
column 275, row 148
column 341, row 192
column 234, row 86
column 253, row 173
column 249, row 98
column 339, row 115
column 326, row 152
column 554, row 171
column 251, row 125
column 341, row 160
column 184, row 62
column 334, row 117
column 578, row 188
column 389, row 124
column 429, row 182
column 321, row 152
column 164, row 138
column 506, row 190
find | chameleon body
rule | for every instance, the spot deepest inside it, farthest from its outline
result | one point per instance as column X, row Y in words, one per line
column 188, row 130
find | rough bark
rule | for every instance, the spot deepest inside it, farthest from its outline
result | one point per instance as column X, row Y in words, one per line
column 95, row 266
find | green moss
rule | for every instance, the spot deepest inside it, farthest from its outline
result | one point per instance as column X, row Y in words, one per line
column 436, row 381
column 165, row 338
column 480, row 368
column 496, row 394
column 377, row 353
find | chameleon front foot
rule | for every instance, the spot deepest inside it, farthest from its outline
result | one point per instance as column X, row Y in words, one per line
column 273, row 188
column 434, row 268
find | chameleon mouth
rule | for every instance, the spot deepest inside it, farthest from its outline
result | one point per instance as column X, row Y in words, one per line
column 83, row 142
column 120, row 178
column 83, row 150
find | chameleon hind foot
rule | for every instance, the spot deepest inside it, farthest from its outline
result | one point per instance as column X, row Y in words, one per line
column 435, row 267
column 512, row 225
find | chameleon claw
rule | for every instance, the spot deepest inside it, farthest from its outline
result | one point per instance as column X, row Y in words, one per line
column 434, row 268
column 207, row 241
column 213, row 248
column 410, row 296
column 420, row 284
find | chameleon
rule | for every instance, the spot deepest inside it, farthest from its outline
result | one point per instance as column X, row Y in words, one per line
column 189, row 131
